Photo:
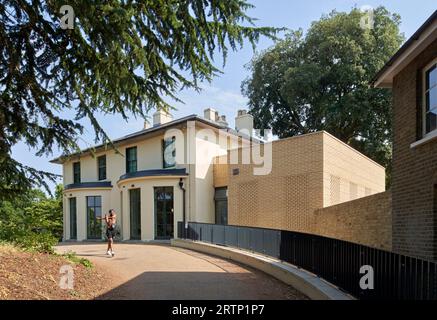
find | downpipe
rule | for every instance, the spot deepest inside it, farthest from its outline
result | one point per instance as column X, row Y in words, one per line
column 184, row 219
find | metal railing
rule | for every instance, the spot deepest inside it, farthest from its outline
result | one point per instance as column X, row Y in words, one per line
column 339, row 262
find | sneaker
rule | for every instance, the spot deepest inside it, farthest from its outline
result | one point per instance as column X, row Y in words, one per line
column 108, row 253
column 113, row 253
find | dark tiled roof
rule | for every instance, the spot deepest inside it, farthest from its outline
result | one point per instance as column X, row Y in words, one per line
column 155, row 173
column 99, row 184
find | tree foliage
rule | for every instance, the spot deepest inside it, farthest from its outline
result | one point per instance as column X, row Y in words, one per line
column 321, row 81
column 32, row 220
column 121, row 57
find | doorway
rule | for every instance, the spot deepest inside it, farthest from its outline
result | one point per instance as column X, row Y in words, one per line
column 94, row 215
column 135, row 213
column 221, row 206
column 164, row 213
column 73, row 219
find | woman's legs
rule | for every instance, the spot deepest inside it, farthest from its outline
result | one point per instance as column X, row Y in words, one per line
column 110, row 244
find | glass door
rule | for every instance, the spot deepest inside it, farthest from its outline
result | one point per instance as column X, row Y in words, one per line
column 164, row 213
column 135, row 214
column 73, row 218
column 221, row 206
column 94, row 213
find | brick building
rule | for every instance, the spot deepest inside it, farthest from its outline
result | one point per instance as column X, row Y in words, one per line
column 308, row 173
column 303, row 193
column 412, row 75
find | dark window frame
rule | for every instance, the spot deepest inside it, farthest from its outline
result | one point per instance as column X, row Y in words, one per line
column 131, row 164
column 427, row 88
column 164, row 218
column 101, row 168
column 434, row 211
column 97, row 221
column 135, row 213
column 165, row 143
column 72, row 203
column 76, row 172
column 221, row 198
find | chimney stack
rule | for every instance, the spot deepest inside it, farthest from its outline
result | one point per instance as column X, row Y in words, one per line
column 160, row 117
column 211, row 114
column 146, row 124
column 222, row 121
column 244, row 121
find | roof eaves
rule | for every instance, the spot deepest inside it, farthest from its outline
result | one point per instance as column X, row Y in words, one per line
column 193, row 117
column 416, row 36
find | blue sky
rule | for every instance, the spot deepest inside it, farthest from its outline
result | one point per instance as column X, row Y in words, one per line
column 223, row 93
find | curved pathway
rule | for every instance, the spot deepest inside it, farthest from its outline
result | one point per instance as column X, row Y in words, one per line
column 152, row 271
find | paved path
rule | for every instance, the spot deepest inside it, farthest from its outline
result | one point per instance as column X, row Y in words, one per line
column 140, row 271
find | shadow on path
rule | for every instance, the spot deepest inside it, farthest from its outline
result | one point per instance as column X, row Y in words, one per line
column 199, row 286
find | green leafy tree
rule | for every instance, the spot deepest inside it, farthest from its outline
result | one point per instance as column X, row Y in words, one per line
column 321, row 81
column 45, row 214
column 32, row 220
column 121, row 57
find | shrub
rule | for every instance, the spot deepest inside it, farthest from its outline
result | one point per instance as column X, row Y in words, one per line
column 71, row 256
column 32, row 221
column 40, row 242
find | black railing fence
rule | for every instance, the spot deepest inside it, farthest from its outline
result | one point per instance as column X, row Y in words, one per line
column 395, row 276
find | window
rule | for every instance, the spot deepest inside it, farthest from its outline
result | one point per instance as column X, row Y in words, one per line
column 101, row 165
column 435, row 201
column 169, row 153
column 76, row 172
column 73, row 218
column 131, row 159
column 164, row 212
column 221, row 206
column 94, row 213
column 430, row 98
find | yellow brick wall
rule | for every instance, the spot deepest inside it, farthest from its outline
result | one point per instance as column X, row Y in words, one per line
column 287, row 197
column 348, row 174
column 221, row 172
column 366, row 221
column 309, row 172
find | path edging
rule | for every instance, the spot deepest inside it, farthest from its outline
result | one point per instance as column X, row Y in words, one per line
column 303, row 281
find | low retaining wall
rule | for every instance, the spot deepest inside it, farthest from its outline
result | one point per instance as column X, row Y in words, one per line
column 305, row 282
column 366, row 221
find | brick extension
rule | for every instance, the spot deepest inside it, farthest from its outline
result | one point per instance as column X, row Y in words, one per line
column 309, row 173
column 367, row 221
column 414, row 169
